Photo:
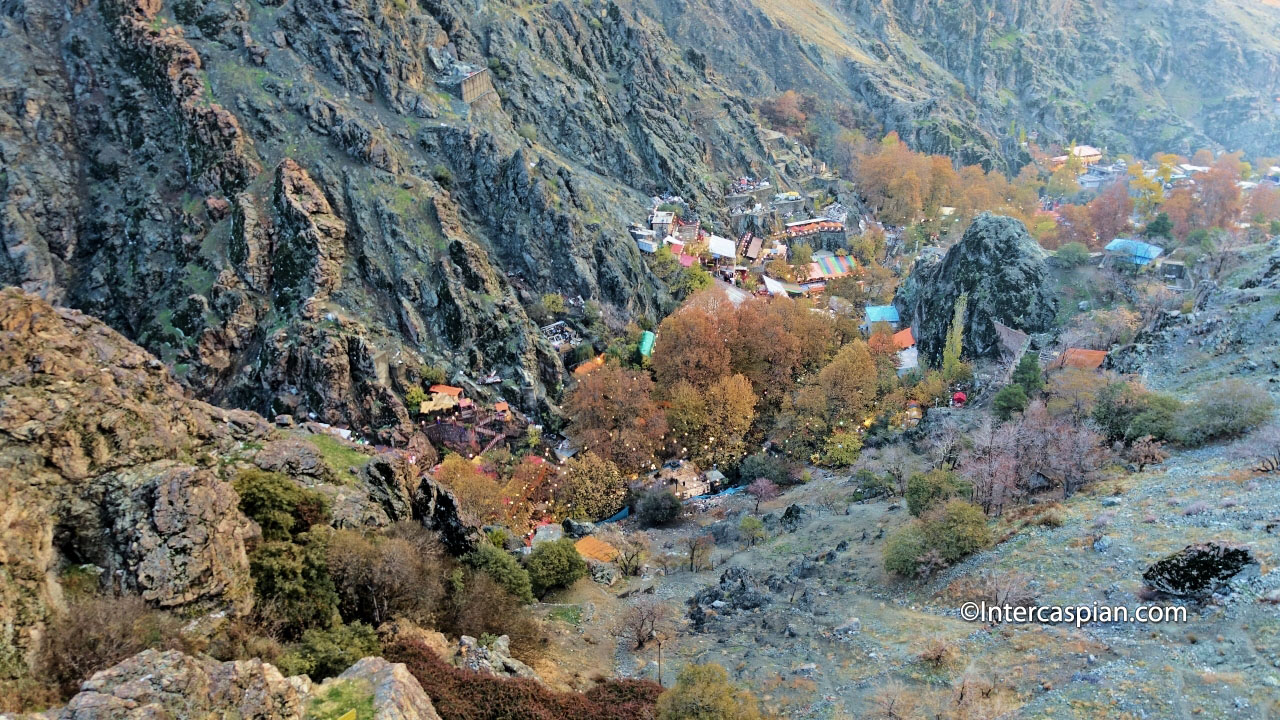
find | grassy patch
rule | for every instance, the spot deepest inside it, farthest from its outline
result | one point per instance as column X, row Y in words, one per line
column 569, row 614
column 339, row 456
column 341, row 697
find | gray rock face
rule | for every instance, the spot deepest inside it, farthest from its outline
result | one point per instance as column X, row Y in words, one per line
column 396, row 693
column 1198, row 569
column 1001, row 269
column 153, row 685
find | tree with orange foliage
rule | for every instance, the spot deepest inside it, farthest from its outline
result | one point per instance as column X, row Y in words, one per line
column 612, row 413
column 692, row 346
column 478, row 494
column 849, row 382
column 1076, row 226
column 784, row 111
column 1109, row 213
column 764, row 350
column 1264, row 204
column 1180, row 206
column 1219, row 194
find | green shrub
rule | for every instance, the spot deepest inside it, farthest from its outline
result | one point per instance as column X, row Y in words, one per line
column 925, row 490
column 1120, row 403
column 279, row 505
column 292, row 585
column 956, row 530
column 503, row 568
column 442, row 175
column 903, row 549
column 554, row 565
column 776, row 468
column 1073, row 253
column 704, row 692
column 323, row 653
column 415, row 397
column 1028, row 374
column 1011, row 399
column 841, row 449
column 946, row 534
column 660, row 507
column 1225, row 409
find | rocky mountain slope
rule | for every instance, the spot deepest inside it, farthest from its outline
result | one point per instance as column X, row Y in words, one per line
column 288, row 203
column 282, row 202
column 105, row 461
column 964, row 77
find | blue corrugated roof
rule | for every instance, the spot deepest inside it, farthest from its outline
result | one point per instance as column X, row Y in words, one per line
column 882, row 313
column 1142, row 253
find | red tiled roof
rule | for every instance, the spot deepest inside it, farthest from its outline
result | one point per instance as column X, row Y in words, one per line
column 501, row 406
column 903, row 339
column 446, row 390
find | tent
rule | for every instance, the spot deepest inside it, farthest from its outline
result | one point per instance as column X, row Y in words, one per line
column 647, row 338
column 1134, row 251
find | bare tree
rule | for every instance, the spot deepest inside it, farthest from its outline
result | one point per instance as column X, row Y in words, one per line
column 698, row 551
column 633, row 549
column 647, row 623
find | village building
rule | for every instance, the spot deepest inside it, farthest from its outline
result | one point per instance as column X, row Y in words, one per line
column 646, row 240
column 662, row 222
column 468, row 83
column 904, row 342
column 1079, row 358
column 647, row 340
column 1125, row 252
column 683, row 478
column 560, row 335
column 880, row 313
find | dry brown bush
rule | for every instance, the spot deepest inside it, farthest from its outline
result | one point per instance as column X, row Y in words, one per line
column 98, row 632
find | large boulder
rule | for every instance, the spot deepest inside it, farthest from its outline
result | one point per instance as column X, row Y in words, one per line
column 1001, row 269
column 153, row 685
column 396, row 693
column 1199, row 569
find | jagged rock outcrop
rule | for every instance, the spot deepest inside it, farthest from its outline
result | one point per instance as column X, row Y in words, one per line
column 171, row 684
column 1000, row 268
column 91, row 432
column 396, row 693
column 104, row 460
column 1199, row 569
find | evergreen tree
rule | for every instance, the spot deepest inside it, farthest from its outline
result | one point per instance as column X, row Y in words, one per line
column 1028, row 375
column 952, row 367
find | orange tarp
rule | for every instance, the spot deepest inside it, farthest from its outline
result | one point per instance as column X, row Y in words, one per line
column 589, row 366
column 598, row 550
column 1081, row 359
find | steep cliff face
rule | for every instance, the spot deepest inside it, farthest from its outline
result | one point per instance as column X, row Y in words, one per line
column 966, row 78
column 104, row 460
column 282, row 202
